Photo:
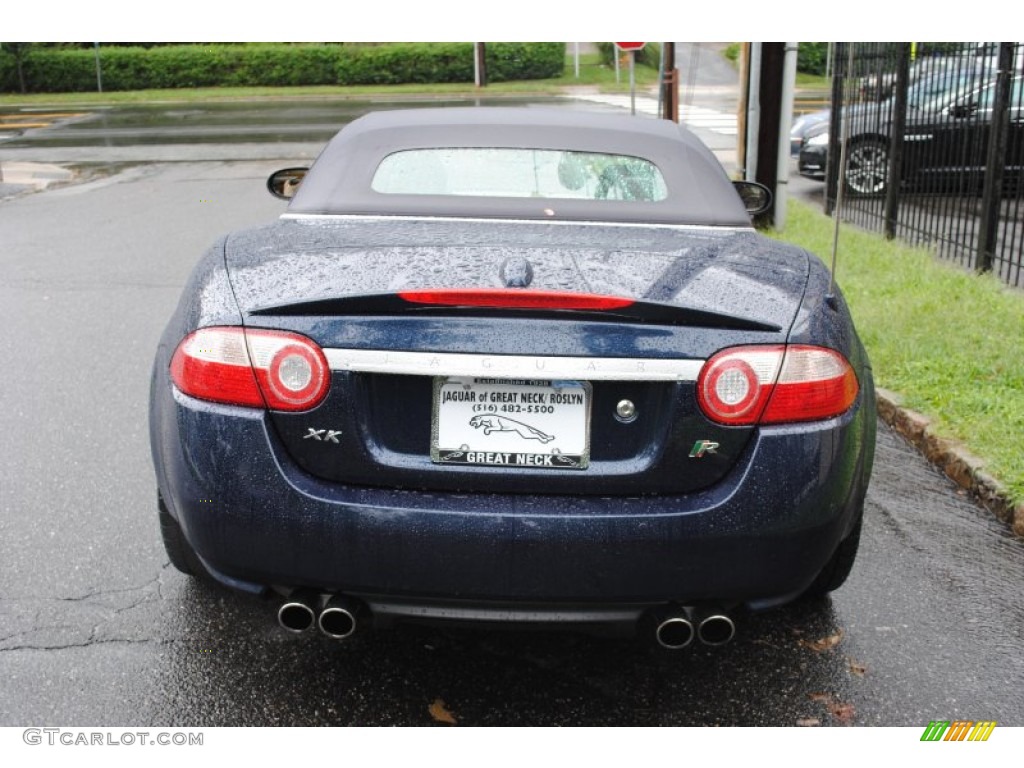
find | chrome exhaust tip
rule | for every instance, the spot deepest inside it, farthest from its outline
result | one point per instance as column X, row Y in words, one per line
column 674, row 633
column 716, row 629
column 340, row 618
column 298, row 613
column 672, row 627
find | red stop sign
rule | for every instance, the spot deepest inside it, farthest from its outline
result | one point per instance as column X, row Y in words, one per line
column 630, row 46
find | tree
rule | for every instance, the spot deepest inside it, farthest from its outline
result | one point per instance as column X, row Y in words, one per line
column 18, row 50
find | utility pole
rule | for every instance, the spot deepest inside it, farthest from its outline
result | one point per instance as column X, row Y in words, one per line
column 766, row 77
column 99, row 71
column 479, row 65
column 669, row 83
column 742, row 113
column 632, row 82
column 787, row 85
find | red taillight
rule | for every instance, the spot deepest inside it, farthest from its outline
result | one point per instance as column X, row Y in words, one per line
column 815, row 383
column 261, row 369
column 775, row 384
column 514, row 298
column 213, row 364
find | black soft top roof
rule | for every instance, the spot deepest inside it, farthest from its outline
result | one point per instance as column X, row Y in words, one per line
column 699, row 192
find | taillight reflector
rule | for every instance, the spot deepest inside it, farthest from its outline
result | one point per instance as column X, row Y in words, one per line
column 256, row 368
column 775, row 384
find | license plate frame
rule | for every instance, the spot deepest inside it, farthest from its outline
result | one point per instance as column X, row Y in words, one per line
column 519, row 423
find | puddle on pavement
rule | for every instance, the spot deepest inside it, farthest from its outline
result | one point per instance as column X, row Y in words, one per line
column 227, row 122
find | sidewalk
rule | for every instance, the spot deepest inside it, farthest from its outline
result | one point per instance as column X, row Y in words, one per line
column 18, row 177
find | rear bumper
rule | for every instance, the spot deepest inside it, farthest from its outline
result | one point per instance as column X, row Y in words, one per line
column 757, row 538
column 812, row 161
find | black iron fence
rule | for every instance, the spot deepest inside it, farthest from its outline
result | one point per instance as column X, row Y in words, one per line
column 929, row 139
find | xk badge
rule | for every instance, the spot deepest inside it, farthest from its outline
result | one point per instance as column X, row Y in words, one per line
column 703, row 447
column 322, row 435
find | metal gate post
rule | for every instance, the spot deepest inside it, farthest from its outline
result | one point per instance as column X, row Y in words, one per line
column 835, row 130
column 992, row 194
column 899, row 124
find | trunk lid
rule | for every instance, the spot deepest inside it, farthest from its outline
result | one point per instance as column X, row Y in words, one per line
column 337, row 280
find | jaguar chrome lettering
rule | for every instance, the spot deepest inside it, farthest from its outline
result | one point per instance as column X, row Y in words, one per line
column 513, row 366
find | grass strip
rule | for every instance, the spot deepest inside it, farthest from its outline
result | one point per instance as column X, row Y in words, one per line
column 950, row 342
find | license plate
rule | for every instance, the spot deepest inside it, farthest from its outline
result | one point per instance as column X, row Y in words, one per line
column 520, row 423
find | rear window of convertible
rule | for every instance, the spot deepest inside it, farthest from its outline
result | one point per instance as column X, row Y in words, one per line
column 506, row 172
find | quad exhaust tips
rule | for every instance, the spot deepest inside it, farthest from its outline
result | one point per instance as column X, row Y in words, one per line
column 338, row 619
column 675, row 627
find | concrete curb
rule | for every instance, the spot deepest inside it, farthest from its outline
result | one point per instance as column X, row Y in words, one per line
column 17, row 176
column 33, row 173
column 965, row 470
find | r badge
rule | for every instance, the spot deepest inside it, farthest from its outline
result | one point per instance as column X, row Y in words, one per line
column 702, row 447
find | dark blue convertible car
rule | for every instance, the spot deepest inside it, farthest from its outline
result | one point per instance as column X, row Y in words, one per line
column 513, row 365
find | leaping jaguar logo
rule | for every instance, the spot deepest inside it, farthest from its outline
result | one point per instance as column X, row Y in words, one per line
column 491, row 423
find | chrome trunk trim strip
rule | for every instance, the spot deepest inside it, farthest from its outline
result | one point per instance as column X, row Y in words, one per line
column 512, row 366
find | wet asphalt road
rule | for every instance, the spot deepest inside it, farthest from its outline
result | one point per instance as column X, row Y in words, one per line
column 96, row 627
column 296, row 128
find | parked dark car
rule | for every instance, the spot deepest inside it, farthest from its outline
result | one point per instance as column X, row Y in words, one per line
column 513, row 365
column 921, row 94
column 929, row 79
column 945, row 144
column 976, row 58
column 807, row 125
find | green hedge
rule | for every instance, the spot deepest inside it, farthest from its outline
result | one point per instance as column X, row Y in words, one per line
column 812, row 58
column 49, row 70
